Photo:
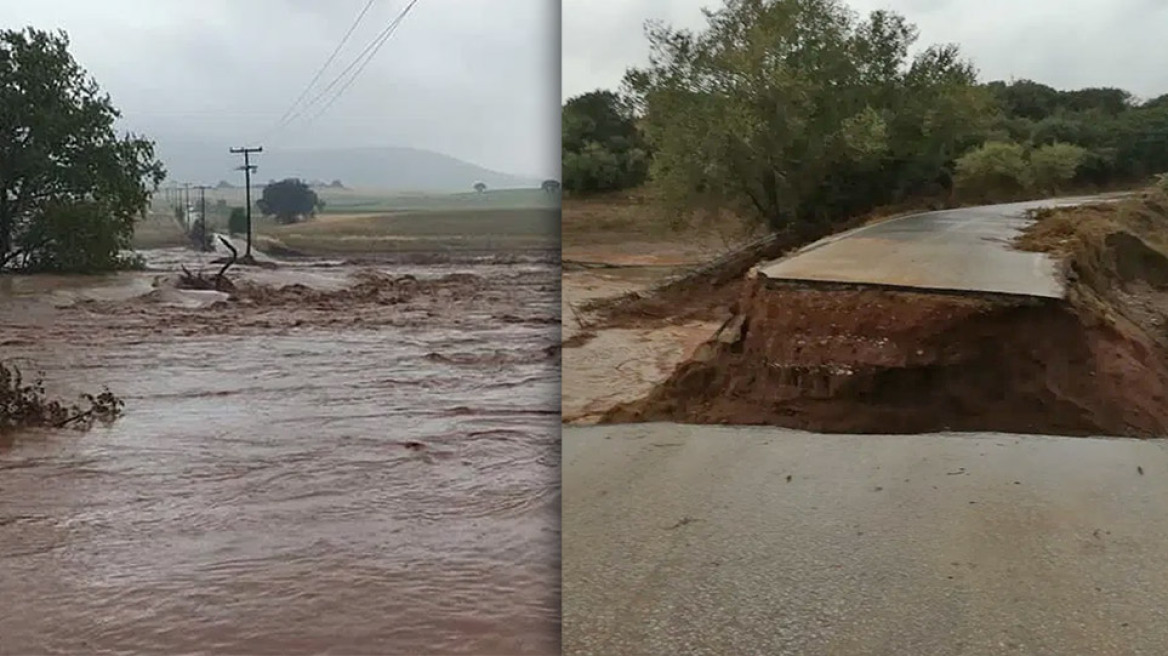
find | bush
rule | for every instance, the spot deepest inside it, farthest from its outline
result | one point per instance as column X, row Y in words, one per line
column 237, row 221
column 996, row 170
column 594, row 168
column 1053, row 166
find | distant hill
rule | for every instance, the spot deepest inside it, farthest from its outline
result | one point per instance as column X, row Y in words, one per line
column 385, row 168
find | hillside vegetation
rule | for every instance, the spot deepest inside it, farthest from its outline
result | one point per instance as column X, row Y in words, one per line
column 797, row 115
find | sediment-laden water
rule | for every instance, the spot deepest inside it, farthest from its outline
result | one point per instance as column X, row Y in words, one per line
column 365, row 461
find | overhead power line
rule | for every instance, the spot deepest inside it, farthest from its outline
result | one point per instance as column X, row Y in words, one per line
column 360, row 62
column 388, row 34
column 328, row 62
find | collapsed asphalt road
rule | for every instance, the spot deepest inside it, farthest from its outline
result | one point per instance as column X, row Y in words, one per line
column 959, row 250
column 871, row 331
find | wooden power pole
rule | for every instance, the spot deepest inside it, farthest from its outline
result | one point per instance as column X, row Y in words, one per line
column 186, row 204
column 247, row 168
column 204, row 243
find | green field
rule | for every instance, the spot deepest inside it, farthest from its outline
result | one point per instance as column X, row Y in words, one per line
column 361, row 221
column 363, row 201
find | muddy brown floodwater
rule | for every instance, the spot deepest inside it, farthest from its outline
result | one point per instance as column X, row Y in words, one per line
column 361, row 463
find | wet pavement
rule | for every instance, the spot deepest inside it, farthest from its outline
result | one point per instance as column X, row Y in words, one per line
column 701, row 540
column 965, row 249
column 313, row 472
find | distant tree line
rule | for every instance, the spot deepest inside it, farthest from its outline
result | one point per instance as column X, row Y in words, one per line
column 801, row 112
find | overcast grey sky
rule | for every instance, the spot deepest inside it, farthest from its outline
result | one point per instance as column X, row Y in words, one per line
column 475, row 79
column 1064, row 43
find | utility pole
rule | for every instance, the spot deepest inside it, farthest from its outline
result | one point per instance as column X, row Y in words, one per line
column 187, row 204
column 204, row 245
column 247, row 168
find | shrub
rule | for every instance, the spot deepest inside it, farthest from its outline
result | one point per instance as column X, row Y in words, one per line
column 996, row 170
column 1053, row 166
column 237, row 221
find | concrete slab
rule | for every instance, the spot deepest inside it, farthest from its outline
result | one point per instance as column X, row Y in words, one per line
column 705, row 540
column 961, row 250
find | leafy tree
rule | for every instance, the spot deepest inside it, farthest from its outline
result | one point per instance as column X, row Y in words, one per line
column 480, row 187
column 594, row 168
column 603, row 149
column 237, row 221
column 1105, row 100
column 799, row 112
column 1098, row 167
column 289, row 200
column 598, row 116
column 1061, row 129
column 993, row 171
column 70, row 187
column 1158, row 101
column 1053, row 166
column 1027, row 99
column 1140, row 139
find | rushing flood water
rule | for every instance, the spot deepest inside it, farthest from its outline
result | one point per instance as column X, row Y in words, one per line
column 311, row 473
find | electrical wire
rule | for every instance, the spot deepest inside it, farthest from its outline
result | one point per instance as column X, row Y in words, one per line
column 327, row 63
column 360, row 62
column 389, row 34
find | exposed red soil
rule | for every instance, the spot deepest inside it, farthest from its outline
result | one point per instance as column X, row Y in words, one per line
column 897, row 362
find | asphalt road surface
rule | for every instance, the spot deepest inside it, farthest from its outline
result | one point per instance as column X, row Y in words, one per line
column 962, row 249
column 703, row 540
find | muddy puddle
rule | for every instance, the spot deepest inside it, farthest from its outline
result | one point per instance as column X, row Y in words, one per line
column 371, row 470
column 605, row 365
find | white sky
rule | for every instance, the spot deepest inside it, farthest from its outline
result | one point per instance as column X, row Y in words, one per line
column 475, row 79
column 1063, row 43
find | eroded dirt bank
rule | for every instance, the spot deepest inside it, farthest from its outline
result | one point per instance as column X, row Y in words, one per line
column 870, row 361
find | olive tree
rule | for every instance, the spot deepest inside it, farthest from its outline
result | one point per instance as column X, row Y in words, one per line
column 798, row 111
